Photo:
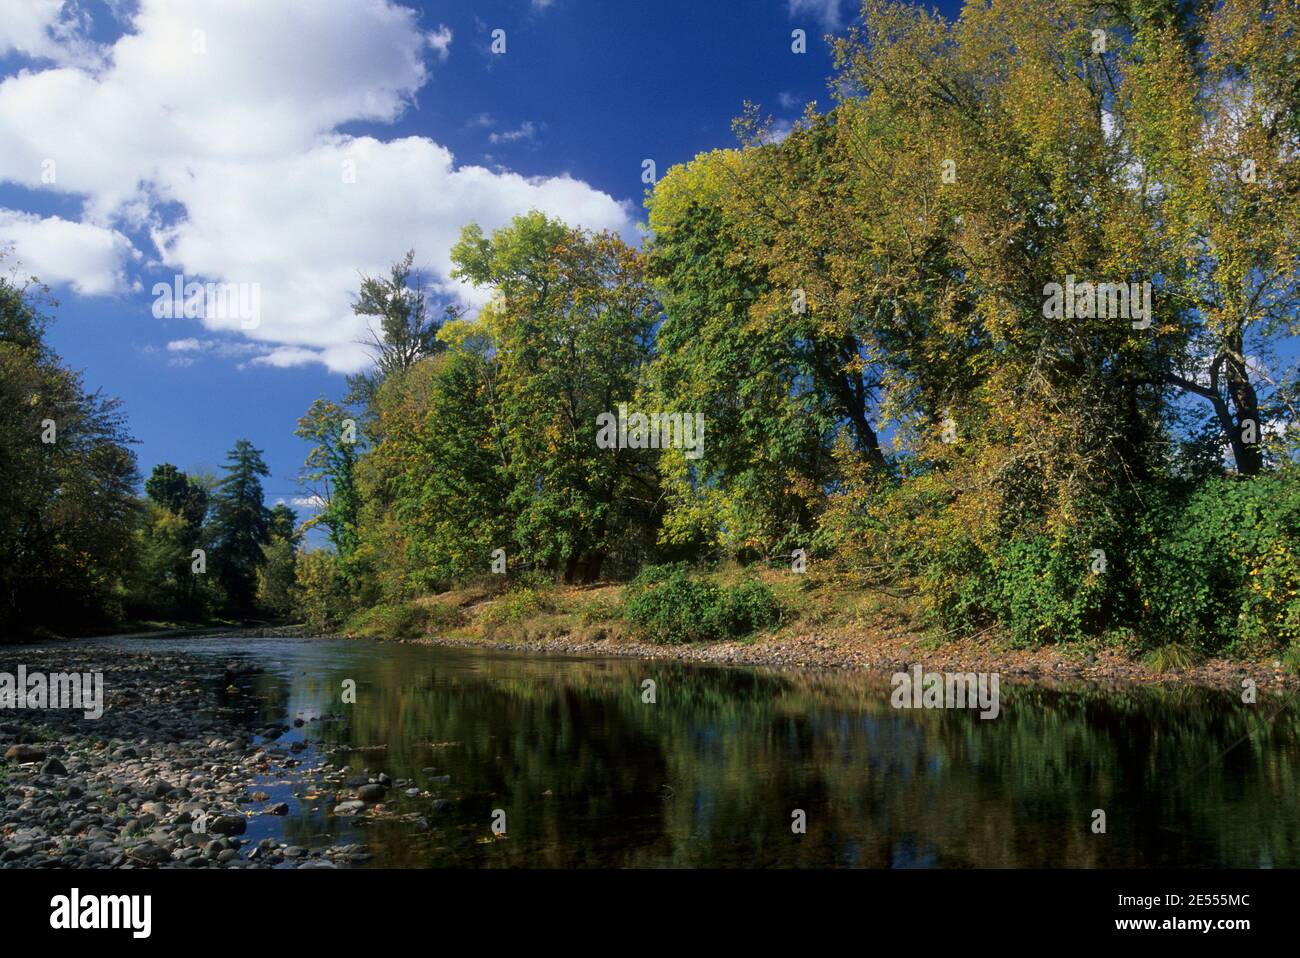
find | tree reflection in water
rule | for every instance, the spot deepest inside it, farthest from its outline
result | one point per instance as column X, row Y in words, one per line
column 707, row 777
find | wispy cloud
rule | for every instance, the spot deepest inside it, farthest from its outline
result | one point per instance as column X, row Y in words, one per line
column 827, row 12
column 526, row 131
column 779, row 130
column 186, row 352
column 440, row 41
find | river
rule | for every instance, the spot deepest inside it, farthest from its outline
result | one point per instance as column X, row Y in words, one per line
column 710, row 775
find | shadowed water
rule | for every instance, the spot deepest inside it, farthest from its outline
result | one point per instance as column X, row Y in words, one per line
column 591, row 776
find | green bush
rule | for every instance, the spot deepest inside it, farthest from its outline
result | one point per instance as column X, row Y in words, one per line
column 517, row 605
column 440, row 617
column 1216, row 565
column 1046, row 591
column 398, row 620
column 1209, row 567
column 670, row 607
column 405, row 620
column 597, row 609
column 955, row 585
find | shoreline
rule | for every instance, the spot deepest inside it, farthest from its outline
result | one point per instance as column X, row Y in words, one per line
column 840, row 654
column 882, row 655
column 178, row 771
column 824, row 628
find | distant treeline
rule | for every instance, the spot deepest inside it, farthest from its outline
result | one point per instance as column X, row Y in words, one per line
column 79, row 548
column 867, row 312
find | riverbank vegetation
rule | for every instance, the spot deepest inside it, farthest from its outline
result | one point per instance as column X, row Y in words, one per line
column 861, row 309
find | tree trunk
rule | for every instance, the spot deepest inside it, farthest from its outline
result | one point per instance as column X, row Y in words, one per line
column 583, row 569
column 1245, row 403
column 591, row 568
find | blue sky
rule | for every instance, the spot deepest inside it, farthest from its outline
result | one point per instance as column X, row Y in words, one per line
column 199, row 138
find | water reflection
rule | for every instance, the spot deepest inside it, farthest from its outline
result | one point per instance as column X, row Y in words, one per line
column 590, row 776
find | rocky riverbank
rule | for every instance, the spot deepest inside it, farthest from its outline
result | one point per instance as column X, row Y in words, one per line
column 169, row 775
column 884, row 653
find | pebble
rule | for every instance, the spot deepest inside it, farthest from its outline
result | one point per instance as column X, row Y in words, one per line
column 156, row 781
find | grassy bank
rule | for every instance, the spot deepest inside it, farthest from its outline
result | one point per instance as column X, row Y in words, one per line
column 818, row 623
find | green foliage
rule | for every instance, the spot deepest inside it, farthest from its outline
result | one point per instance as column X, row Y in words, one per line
column 67, row 506
column 570, row 337
column 1028, row 445
column 589, row 611
column 1045, row 591
column 396, row 309
column 330, row 470
column 1217, row 565
column 433, row 487
column 324, row 598
column 405, row 620
column 671, row 607
column 517, row 605
column 1209, row 566
column 277, row 582
column 490, row 444
column 399, row 621
column 277, row 585
column 440, row 617
column 162, row 583
column 242, row 525
column 178, row 493
column 282, row 523
column 766, row 428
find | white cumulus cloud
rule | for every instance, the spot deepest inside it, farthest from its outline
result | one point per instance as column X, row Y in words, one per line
column 91, row 259
column 210, row 132
column 45, row 29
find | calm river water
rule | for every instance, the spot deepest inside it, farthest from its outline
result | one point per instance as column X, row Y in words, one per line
column 589, row 775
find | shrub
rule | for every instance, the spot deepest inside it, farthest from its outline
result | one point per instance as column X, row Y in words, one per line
column 669, row 606
column 440, row 617
column 596, row 609
column 1216, row 565
column 1209, row 567
column 515, row 606
column 1172, row 657
column 1044, row 590
column 404, row 620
